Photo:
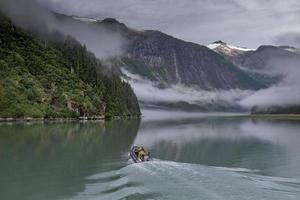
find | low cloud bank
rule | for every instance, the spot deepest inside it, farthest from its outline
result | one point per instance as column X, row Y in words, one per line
column 285, row 93
column 149, row 92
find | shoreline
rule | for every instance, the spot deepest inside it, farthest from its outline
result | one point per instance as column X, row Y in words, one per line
column 60, row 119
column 270, row 116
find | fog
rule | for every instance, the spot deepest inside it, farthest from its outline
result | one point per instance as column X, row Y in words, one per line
column 31, row 15
column 241, row 22
column 285, row 93
column 149, row 92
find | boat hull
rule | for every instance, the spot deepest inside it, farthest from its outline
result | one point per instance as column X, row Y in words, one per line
column 134, row 156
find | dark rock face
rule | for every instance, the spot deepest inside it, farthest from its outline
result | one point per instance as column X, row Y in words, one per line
column 176, row 61
column 235, row 56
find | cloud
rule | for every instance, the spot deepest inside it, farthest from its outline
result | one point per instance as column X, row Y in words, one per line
column 241, row 22
column 31, row 15
column 274, row 96
column 148, row 92
column 291, row 38
column 285, row 93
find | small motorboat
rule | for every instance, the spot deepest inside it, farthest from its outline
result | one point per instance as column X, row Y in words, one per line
column 138, row 154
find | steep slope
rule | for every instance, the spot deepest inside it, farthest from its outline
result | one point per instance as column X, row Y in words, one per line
column 266, row 57
column 264, row 64
column 232, row 53
column 58, row 81
column 261, row 59
column 277, row 67
column 173, row 61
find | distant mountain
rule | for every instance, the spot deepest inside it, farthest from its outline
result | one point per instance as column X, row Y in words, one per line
column 163, row 58
column 165, row 61
column 232, row 53
column 262, row 58
column 261, row 64
column 266, row 57
column 167, row 64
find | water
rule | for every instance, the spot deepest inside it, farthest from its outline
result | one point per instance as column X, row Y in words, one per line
column 195, row 157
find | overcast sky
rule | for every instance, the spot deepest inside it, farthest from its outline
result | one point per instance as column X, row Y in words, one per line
column 240, row 22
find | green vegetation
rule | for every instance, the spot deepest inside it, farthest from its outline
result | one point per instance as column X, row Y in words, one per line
column 59, row 79
column 134, row 66
column 243, row 79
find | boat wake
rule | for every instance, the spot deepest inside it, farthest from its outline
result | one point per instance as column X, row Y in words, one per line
column 171, row 180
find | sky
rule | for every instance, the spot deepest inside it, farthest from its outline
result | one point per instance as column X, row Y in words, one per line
column 245, row 23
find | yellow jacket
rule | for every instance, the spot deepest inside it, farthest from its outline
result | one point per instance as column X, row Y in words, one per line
column 141, row 154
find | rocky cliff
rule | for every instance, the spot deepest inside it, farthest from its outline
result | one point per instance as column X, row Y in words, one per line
column 174, row 61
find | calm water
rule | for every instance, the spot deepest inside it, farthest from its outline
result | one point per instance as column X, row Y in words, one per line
column 203, row 157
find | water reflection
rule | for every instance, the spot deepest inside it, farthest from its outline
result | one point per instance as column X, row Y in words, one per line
column 89, row 160
column 47, row 161
column 268, row 146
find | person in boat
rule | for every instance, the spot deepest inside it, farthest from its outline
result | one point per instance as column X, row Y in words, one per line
column 141, row 153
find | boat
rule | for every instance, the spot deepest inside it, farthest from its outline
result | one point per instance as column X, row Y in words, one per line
column 134, row 154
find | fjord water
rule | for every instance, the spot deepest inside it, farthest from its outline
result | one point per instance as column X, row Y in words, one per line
column 195, row 157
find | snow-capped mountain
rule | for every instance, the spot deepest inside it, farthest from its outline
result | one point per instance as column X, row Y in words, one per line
column 227, row 48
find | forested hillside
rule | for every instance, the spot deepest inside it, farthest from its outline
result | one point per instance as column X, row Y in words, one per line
column 57, row 79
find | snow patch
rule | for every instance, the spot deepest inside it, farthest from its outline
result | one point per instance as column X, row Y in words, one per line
column 231, row 47
column 213, row 46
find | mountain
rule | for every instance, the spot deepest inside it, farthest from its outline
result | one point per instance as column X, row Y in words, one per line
column 272, row 65
column 260, row 59
column 168, row 60
column 169, row 68
column 56, row 78
column 266, row 57
column 173, row 61
column 232, row 53
column 262, row 64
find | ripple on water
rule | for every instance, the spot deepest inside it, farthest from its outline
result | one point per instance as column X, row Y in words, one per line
column 172, row 180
